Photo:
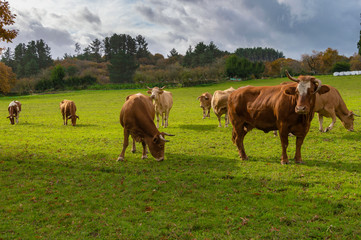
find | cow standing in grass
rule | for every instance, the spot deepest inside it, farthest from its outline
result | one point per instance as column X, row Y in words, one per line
column 68, row 110
column 331, row 105
column 163, row 102
column 219, row 104
column 287, row 108
column 14, row 110
column 137, row 118
column 205, row 101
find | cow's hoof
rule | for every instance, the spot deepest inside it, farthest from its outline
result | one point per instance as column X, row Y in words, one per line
column 284, row 162
column 327, row 129
column 144, row 157
column 300, row 162
column 120, row 159
column 159, row 159
column 133, row 151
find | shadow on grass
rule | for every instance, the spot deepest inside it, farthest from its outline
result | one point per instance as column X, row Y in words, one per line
column 199, row 127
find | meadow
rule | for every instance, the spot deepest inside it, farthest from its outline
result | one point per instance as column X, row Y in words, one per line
column 63, row 182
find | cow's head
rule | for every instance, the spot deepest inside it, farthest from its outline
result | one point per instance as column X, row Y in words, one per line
column 305, row 92
column 11, row 115
column 73, row 119
column 204, row 100
column 347, row 121
column 156, row 146
column 155, row 92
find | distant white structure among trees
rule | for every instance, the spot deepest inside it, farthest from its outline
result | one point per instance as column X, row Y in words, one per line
column 346, row 73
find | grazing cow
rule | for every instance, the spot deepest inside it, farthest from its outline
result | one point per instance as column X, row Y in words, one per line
column 205, row 103
column 14, row 111
column 137, row 119
column 219, row 104
column 68, row 110
column 331, row 105
column 163, row 102
column 287, row 108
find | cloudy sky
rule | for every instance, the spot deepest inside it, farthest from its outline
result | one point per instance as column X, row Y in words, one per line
column 294, row 27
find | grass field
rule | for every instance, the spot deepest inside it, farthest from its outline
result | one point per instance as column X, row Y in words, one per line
column 59, row 182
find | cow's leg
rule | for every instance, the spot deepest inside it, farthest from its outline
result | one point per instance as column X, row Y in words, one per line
column 275, row 133
column 166, row 115
column 219, row 120
column 284, row 143
column 157, row 120
column 208, row 114
column 125, row 145
column 299, row 141
column 320, row 122
column 163, row 118
column 333, row 116
column 226, row 120
column 17, row 118
column 133, row 146
column 145, row 151
column 238, row 135
column 204, row 113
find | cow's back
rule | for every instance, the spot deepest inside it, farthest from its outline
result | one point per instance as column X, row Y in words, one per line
column 220, row 100
column 137, row 111
column 165, row 102
column 330, row 100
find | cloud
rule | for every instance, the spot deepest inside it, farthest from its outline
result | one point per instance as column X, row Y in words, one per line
column 90, row 17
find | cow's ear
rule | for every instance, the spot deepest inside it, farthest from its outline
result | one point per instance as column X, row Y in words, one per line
column 206, row 98
column 324, row 89
column 290, row 91
column 198, row 97
column 160, row 91
column 149, row 92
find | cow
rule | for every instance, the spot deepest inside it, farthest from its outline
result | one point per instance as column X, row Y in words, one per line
column 14, row 110
column 68, row 110
column 287, row 108
column 219, row 104
column 163, row 102
column 331, row 105
column 137, row 119
column 205, row 103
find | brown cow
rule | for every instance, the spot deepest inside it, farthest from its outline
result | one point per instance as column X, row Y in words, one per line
column 219, row 104
column 287, row 108
column 205, row 103
column 331, row 105
column 137, row 118
column 14, row 111
column 68, row 110
column 163, row 102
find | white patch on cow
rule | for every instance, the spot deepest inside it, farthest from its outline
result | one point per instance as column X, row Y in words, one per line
column 303, row 87
column 13, row 104
column 138, row 94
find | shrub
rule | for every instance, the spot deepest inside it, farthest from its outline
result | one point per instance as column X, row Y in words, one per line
column 341, row 67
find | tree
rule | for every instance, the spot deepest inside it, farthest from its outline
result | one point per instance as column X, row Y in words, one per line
column 77, row 49
column 7, row 78
column 359, row 45
column 95, row 48
column 341, row 67
column 6, row 19
column 122, row 68
column 57, row 77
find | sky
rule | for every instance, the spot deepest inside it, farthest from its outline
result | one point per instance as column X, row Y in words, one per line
column 294, row 27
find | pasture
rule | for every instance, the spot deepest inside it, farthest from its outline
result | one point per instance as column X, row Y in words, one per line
column 60, row 182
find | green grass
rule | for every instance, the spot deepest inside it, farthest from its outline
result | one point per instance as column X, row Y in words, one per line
column 60, row 182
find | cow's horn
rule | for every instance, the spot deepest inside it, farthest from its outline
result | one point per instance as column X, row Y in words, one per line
column 162, row 87
column 69, row 116
column 354, row 114
column 77, row 116
column 167, row 134
column 291, row 78
column 319, row 84
column 149, row 88
column 162, row 138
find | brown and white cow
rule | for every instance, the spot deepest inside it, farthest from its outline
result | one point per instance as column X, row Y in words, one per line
column 287, row 108
column 205, row 103
column 137, row 118
column 68, row 110
column 163, row 102
column 331, row 105
column 14, row 110
column 219, row 104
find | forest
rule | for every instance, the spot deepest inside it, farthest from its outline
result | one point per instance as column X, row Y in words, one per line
column 123, row 61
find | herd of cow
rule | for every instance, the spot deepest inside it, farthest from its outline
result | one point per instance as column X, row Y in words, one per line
column 288, row 108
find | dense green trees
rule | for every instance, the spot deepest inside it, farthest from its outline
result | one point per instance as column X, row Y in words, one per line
column 27, row 60
column 258, row 54
column 238, row 67
column 202, row 55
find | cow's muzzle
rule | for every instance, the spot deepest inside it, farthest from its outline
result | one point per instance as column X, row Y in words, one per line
column 301, row 110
